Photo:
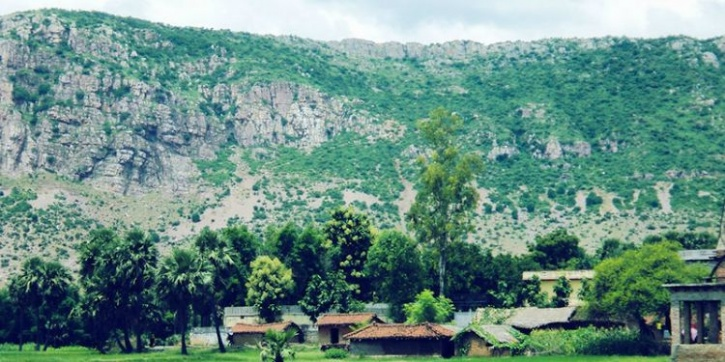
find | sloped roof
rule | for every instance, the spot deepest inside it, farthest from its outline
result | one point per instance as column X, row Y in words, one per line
column 347, row 319
column 243, row 328
column 532, row 317
column 400, row 331
column 492, row 333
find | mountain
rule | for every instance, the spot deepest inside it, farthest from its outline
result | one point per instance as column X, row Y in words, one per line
column 120, row 122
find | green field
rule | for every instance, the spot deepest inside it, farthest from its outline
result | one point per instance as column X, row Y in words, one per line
column 173, row 354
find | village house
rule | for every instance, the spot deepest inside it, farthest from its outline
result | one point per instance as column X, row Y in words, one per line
column 548, row 279
column 488, row 340
column 697, row 311
column 402, row 340
column 252, row 334
column 331, row 327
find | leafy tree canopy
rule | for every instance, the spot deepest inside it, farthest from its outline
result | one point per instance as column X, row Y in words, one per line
column 630, row 286
column 428, row 308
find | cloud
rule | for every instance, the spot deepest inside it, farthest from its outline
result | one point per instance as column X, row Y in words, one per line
column 423, row 21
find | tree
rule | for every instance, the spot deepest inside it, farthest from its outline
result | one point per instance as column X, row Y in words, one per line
column 446, row 198
column 276, row 345
column 612, row 248
column 428, row 308
column 630, row 286
column 394, row 265
column 118, row 276
column 219, row 256
column 558, row 250
column 349, row 236
column 302, row 251
column 244, row 247
column 183, row 278
column 40, row 290
column 688, row 240
column 269, row 284
column 562, row 290
column 325, row 294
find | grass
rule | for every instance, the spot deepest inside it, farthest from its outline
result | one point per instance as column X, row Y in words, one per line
column 10, row 353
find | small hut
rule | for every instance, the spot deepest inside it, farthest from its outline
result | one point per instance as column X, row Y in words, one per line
column 488, row 340
column 252, row 334
column 402, row 340
column 333, row 326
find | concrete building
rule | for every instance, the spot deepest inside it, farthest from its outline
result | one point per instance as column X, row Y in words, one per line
column 548, row 279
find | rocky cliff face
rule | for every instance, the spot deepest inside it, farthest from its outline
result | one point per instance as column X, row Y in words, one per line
column 65, row 110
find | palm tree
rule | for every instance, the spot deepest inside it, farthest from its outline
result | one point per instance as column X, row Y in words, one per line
column 276, row 344
column 183, row 278
column 216, row 252
column 39, row 289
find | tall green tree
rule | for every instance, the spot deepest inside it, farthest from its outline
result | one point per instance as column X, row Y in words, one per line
column 325, row 294
column 394, row 265
column 245, row 247
column 630, row 286
column 302, row 251
column 268, row 285
column 349, row 236
column 558, row 250
column 39, row 290
column 219, row 255
column 118, row 276
column 183, row 280
column 446, row 198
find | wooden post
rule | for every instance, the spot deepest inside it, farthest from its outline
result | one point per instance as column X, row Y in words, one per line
column 713, row 329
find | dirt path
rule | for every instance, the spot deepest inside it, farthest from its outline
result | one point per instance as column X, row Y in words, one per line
column 663, row 196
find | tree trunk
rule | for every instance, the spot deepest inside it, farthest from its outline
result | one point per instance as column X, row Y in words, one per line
column 139, row 342
column 222, row 349
column 441, row 273
column 37, row 330
column 127, row 341
column 21, row 331
column 184, row 322
column 118, row 342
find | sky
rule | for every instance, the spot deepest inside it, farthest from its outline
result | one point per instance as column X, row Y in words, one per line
column 422, row 21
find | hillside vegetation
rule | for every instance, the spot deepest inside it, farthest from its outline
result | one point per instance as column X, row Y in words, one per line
column 118, row 121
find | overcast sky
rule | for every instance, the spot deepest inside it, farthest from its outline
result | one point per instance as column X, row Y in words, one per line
column 424, row 21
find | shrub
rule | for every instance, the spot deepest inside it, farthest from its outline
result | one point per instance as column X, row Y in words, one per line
column 591, row 341
column 335, row 353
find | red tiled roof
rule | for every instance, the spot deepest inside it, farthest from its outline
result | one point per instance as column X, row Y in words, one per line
column 400, row 331
column 243, row 328
column 346, row 319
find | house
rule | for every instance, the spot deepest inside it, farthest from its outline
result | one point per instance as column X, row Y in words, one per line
column 549, row 278
column 252, row 334
column 401, row 340
column 486, row 340
column 333, row 326
column 528, row 319
column 697, row 311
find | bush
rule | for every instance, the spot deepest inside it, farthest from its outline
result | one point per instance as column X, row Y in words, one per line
column 335, row 353
column 591, row 341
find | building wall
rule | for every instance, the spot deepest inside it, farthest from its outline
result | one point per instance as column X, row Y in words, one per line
column 325, row 334
column 547, row 286
column 477, row 346
column 247, row 339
